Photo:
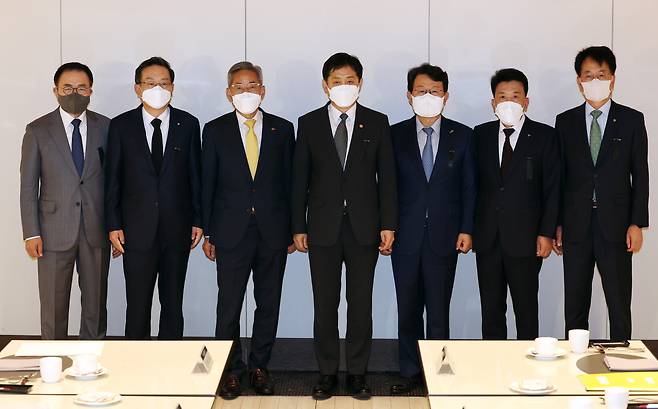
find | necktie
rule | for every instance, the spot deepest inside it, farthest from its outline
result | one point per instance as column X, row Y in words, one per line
column 507, row 152
column 595, row 135
column 76, row 147
column 428, row 154
column 156, row 145
column 340, row 139
column 252, row 147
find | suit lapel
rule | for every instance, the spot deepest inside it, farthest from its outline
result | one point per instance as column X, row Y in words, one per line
column 236, row 146
column 265, row 144
column 355, row 153
column 494, row 147
column 445, row 135
column 92, row 160
column 58, row 133
column 609, row 134
column 522, row 144
column 580, row 126
column 328, row 137
column 140, row 135
column 411, row 144
column 172, row 139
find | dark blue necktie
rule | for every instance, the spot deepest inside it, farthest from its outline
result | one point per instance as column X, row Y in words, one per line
column 76, row 147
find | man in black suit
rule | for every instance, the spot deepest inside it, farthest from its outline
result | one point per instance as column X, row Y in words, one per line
column 517, row 207
column 435, row 164
column 153, row 199
column 247, row 173
column 344, row 175
column 605, row 194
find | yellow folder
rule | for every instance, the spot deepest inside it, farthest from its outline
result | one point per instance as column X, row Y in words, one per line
column 633, row 381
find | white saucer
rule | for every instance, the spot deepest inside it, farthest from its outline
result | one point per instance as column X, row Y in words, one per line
column 516, row 387
column 71, row 372
column 559, row 352
column 97, row 398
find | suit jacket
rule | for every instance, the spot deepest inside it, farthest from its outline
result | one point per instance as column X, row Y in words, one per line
column 620, row 176
column 53, row 197
column 524, row 205
column 367, row 184
column 230, row 194
column 143, row 203
column 447, row 200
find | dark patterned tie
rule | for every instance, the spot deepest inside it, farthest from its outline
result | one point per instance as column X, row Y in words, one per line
column 507, row 152
column 156, row 145
column 340, row 139
column 76, row 147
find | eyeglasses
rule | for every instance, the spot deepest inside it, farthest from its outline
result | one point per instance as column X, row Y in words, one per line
column 252, row 87
column 421, row 92
column 152, row 84
column 82, row 90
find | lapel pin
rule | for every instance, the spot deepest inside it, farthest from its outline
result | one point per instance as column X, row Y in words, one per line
column 361, row 126
column 451, row 131
column 614, row 119
column 178, row 123
column 273, row 129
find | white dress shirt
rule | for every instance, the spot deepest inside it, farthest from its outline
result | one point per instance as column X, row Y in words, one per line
column 68, row 127
column 603, row 118
column 512, row 139
column 164, row 127
column 258, row 128
column 422, row 136
column 334, row 121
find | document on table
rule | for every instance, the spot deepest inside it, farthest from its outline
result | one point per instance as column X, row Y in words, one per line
column 19, row 365
column 633, row 381
column 616, row 363
column 57, row 348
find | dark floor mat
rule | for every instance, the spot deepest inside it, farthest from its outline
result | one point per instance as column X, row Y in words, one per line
column 300, row 383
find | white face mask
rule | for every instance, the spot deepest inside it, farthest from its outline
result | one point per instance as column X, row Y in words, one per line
column 344, row 95
column 428, row 105
column 156, row 97
column 509, row 113
column 246, row 103
column 596, row 90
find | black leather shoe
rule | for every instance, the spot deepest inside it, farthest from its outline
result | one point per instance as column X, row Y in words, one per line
column 357, row 386
column 230, row 388
column 406, row 385
column 260, row 380
column 325, row 387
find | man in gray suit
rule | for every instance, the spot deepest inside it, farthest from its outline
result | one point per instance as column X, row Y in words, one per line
column 61, row 198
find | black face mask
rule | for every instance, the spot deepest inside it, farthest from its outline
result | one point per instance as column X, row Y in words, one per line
column 74, row 103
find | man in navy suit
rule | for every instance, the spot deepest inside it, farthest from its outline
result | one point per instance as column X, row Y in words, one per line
column 605, row 194
column 247, row 173
column 153, row 199
column 435, row 165
column 517, row 207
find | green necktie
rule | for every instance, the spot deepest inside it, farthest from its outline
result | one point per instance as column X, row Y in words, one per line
column 595, row 135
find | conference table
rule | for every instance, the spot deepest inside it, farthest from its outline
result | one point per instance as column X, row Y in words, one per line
column 478, row 374
column 168, row 372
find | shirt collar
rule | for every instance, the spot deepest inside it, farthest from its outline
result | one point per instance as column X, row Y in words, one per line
column 164, row 117
column 242, row 119
column 335, row 113
column 517, row 128
column 604, row 109
column 436, row 125
column 68, row 118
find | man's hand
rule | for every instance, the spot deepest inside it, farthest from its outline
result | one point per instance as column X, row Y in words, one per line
column 387, row 237
column 197, row 234
column 115, row 253
column 117, row 240
column 301, row 242
column 464, row 243
column 633, row 239
column 209, row 249
column 292, row 248
column 544, row 246
column 34, row 247
column 557, row 241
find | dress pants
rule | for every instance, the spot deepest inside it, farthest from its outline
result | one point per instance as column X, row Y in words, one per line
column 55, row 271
column 167, row 265
column 498, row 270
column 326, row 270
column 423, row 282
column 234, row 266
column 615, row 266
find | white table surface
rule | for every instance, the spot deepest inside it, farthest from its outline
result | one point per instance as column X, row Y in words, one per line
column 510, row 402
column 164, row 368
column 488, row 367
column 128, row 402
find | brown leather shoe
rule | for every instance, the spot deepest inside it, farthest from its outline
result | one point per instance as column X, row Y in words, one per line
column 260, row 380
column 230, row 388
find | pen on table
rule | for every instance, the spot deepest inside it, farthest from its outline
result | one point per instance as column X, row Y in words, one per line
column 643, row 406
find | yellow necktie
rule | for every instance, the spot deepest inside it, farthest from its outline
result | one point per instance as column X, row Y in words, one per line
column 252, row 147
